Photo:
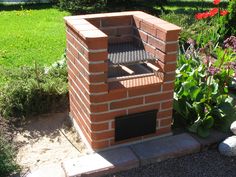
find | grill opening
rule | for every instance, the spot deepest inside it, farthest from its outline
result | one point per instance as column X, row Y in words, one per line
column 129, row 60
column 134, row 125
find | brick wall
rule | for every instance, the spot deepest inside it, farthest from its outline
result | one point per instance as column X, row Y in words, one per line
column 94, row 102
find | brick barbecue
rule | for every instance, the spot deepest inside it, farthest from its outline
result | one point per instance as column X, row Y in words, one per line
column 121, row 71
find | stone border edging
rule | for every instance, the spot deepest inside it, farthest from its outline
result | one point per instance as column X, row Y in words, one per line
column 135, row 155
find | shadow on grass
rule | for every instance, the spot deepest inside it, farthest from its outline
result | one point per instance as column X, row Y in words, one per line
column 31, row 6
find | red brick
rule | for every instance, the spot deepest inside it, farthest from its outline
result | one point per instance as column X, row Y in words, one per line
column 170, row 36
column 158, row 97
column 168, row 77
column 121, row 39
column 156, row 43
column 124, row 31
column 76, row 36
column 101, row 67
column 143, row 36
column 109, row 31
column 99, row 144
column 98, row 56
column 163, row 114
column 126, row 103
column 165, row 122
column 144, row 90
column 150, row 29
column 143, row 108
column 136, row 22
column 97, row 78
column 167, row 105
column 126, row 141
column 100, row 126
column 162, row 46
column 112, row 95
column 163, row 131
column 149, row 49
column 116, row 21
column 95, row 39
column 168, row 86
column 170, row 67
column 98, row 88
column 164, row 58
column 98, row 108
column 107, row 116
column 94, row 21
column 102, row 135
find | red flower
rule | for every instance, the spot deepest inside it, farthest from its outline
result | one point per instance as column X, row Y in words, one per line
column 199, row 16
column 205, row 15
column 213, row 12
column 216, row 2
column 224, row 12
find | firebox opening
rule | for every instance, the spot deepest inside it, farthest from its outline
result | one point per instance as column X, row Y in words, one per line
column 135, row 125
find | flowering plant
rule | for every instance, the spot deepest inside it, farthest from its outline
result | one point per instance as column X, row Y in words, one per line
column 213, row 12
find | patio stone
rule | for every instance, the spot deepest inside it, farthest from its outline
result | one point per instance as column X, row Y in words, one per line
column 97, row 164
column 212, row 140
column 164, row 148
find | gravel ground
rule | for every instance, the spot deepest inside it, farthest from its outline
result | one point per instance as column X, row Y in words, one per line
column 205, row 164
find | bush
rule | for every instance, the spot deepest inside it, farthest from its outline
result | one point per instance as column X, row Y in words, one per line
column 82, row 6
column 8, row 165
column 34, row 90
column 228, row 22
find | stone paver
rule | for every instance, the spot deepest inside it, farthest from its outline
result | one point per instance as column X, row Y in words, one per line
column 212, row 141
column 165, row 148
column 53, row 170
column 101, row 163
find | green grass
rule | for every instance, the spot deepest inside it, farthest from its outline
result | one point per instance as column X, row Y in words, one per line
column 31, row 35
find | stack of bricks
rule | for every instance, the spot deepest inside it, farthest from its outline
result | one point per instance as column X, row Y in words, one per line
column 94, row 102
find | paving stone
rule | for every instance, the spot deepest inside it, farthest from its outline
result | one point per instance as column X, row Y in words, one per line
column 165, row 148
column 97, row 164
column 54, row 170
column 211, row 141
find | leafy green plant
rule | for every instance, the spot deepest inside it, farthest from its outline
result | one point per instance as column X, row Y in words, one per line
column 228, row 23
column 8, row 164
column 34, row 90
column 201, row 99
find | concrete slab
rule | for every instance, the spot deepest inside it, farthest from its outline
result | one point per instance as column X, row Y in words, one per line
column 101, row 163
column 165, row 148
column 54, row 170
column 212, row 141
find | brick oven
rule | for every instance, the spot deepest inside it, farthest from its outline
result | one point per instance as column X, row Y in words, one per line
column 121, row 71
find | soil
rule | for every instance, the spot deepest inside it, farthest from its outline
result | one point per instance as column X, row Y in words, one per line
column 46, row 139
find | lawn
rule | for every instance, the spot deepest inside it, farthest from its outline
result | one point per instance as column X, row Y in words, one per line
column 27, row 36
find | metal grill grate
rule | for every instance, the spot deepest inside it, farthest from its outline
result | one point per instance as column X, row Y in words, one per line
column 127, row 53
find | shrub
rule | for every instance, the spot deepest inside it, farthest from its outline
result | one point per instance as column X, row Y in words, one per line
column 34, row 90
column 82, row 6
column 8, row 165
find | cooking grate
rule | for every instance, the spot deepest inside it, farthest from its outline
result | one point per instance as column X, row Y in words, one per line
column 128, row 53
